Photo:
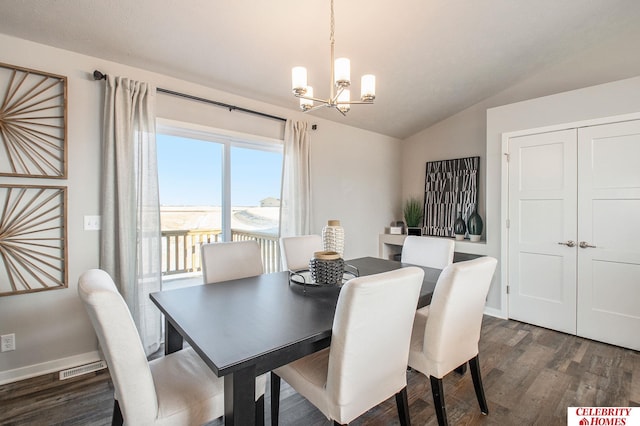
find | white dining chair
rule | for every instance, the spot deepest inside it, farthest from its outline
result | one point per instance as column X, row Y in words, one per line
column 176, row 389
column 431, row 252
column 230, row 261
column 446, row 334
column 366, row 362
column 296, row 252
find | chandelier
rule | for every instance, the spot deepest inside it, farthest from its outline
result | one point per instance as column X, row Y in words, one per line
column 339, row 95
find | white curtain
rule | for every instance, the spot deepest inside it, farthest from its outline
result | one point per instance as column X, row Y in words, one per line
column 130, row 248
column 295, row 200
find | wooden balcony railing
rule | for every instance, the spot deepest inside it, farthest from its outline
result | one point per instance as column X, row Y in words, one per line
column 181, row 248
column 269, row 247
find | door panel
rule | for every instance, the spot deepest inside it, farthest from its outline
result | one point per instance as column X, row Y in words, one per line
column 542, row 214
column 541, row 277
column 608, row 211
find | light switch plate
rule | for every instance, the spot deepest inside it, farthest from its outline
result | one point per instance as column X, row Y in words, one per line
column 8, row 342
column 92, row 223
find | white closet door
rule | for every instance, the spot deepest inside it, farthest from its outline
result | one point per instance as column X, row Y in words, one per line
column 542, row 214
column 609, row 219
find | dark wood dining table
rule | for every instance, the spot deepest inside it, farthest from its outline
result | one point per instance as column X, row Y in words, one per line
column 246, row 327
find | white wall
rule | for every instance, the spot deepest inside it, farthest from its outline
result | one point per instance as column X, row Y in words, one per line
column 465, row 134
column 355, row 178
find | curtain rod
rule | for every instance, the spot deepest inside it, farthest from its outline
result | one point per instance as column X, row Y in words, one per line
column 97, row 75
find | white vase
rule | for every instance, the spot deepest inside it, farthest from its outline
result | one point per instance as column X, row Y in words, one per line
column 333, row 237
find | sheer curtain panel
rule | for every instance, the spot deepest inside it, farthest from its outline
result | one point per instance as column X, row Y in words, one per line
column 295, row 201
column 130, row 245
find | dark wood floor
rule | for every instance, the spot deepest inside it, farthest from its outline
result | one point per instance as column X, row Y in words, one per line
column 531, row 375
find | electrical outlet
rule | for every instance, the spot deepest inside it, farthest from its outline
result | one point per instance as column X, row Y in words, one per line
column 92, row 223
column 8, row 342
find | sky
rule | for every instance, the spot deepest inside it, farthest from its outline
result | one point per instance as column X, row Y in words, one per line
column 190, row 173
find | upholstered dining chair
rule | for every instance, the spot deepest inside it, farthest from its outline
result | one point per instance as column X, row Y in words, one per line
column 296, row 252
column 446, row 334
column 431, row 252
column 366, row 362
column 230, row 261
column 177, row 389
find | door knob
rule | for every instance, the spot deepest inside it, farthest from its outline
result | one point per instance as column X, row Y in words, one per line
column 584, row 244
column 568, row 244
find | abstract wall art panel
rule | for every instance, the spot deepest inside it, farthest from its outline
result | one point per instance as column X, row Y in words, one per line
column 451, row 187
column 33, row 240
column 33, row 123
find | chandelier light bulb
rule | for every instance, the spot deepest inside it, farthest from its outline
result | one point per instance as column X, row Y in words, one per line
column 343, row 101
column 368, row 88
column 343, row 72
column 299, row 80
column 307, row 104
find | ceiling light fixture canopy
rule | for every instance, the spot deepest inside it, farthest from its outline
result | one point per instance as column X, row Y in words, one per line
column 340, row 96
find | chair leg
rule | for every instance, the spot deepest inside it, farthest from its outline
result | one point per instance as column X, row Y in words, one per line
column 260, row 411
column 117, row 419
column 275, row 398
column 438, row 400
column 402, row 401
column 462, row 369
column 477, row 384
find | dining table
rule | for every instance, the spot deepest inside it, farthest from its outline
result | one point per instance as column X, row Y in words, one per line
column 247, row 327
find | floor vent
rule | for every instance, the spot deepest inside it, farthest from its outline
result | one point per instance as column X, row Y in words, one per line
column 83, row 369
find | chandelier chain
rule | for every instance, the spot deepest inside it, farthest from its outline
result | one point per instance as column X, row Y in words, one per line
column 333, row 26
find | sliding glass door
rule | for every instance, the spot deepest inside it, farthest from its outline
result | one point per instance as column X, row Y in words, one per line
column 214, row 187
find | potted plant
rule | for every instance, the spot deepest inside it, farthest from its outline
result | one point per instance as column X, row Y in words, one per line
column 413, row 212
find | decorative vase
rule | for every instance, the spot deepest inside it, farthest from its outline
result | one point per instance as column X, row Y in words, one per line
column 333, row 237
column 474, row 225
column 327, row 267
column 459, row 228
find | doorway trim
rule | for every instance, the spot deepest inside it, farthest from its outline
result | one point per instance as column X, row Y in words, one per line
column 504, row 188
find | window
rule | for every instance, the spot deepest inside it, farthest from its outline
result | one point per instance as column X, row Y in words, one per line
column 215, row 186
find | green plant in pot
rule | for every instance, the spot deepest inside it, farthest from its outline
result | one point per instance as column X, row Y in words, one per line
column 413, row 212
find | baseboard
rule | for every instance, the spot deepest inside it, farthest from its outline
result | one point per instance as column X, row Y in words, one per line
column 35, row 370
column 494, row 312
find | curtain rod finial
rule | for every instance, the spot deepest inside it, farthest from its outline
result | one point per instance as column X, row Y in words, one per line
column 97, row 75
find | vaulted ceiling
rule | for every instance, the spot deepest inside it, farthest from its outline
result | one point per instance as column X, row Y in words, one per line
column 431, row 58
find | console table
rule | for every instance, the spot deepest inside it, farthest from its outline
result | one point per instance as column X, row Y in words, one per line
column 390, row 245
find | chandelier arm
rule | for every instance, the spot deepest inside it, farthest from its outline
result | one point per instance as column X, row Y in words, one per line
column 324, row 105
column 311, row 98
column 357, row 103
column 334, row 99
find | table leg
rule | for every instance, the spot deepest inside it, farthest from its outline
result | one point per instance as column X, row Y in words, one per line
column 172, row 339
column 239, row 397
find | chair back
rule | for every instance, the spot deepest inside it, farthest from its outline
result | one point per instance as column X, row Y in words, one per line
column 431, row 252
column 370, row 340
column 230, row 261
column 121, row 347
column 296, row 252
column 453, row 326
